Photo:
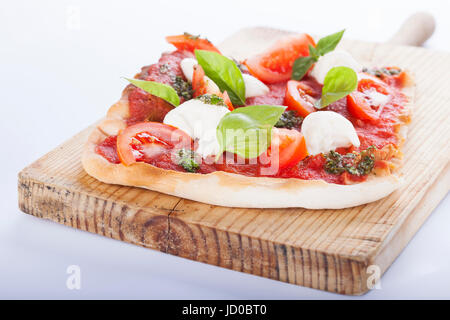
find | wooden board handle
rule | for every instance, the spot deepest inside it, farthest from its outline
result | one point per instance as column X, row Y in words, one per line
column 415, row 30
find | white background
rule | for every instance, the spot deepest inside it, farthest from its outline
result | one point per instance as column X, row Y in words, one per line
column 60, row 73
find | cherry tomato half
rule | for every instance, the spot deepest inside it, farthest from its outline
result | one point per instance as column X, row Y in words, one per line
column 198, row 81
column 227, row 101
column 275, row 64
column 359, row 102
column 146, row 140
column 191, row 43
column 369, row 82
column 201, row 87
column 297, row 99
column 359, row 107
column 287, row 148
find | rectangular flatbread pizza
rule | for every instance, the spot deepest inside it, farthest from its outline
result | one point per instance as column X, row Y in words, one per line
column 300, row 124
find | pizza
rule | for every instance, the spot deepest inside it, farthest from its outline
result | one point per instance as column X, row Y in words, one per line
column 300, row 124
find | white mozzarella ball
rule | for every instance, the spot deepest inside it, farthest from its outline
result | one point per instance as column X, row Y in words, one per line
column 336, row 58
column 199, row 120
column 328, row 130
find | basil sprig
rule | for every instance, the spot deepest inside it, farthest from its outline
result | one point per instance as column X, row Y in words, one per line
column 301, row 66
column 338, row 83
column 158, row 89
column 329, row 43
column 247, row 131
column 224, row 73
column 325, row 45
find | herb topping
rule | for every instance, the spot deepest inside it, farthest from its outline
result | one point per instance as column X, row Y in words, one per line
column 339, row 82
column 289, row 119
column 325, row 45
column 380, row 72
column 157, row 89
column 211, row 99
column 224, row 73
column 186, row 159
column 182, row 87
column 164, row 68
column 247, row 131
column 358, row 164
column 191, row 36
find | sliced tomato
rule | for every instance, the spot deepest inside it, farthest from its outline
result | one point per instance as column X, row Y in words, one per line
column 227, row 100
column 287, row 148
column 275, row 64
column 369, row 82
column 201, row 87
column 146, row 140
column 298, row 98
column 359, row 103
column 190, row 43
column 360, row 108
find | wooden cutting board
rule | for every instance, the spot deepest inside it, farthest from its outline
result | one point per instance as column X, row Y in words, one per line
column 330, row 250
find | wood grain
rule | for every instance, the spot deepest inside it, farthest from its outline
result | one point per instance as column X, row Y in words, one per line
column 323, row 249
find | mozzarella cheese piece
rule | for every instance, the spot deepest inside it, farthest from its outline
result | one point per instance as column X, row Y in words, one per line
column 253, row 87
column 199, row 120
column 187, row 66
column 336, row 58
column 327, row 130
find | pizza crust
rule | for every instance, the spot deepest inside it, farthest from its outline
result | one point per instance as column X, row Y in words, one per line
column 235, row 190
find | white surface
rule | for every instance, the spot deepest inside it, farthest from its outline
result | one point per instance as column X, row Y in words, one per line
column 58, row 78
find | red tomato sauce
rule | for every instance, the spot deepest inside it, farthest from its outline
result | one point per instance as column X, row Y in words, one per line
column 278, row 91
column 274, row 97
column 167, row 67
column 108, row 149
column 380, row 133
column 144, row 106
column 164, row 161
column 311, row 168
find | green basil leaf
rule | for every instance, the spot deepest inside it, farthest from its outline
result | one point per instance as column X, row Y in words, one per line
column 247, row 131
column 158, row 89
column 338, row 83
column 329, row 43
column 224, row 73
column 313, row 52
column 301, row 67
column 325, row 45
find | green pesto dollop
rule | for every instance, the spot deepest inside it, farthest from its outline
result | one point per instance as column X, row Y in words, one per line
column 211, row 99
column 289, row 119
column 358, row 164
column 187, row 159
column 182, row 87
